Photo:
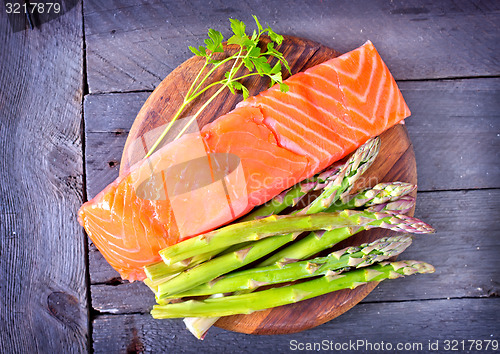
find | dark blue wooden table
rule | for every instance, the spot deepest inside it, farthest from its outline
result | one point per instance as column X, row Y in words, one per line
column 71, row 88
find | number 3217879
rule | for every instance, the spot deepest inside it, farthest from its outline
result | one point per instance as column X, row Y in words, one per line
column 471, row 344
column 32, row 7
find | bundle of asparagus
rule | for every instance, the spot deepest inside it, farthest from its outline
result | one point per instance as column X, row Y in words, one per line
column 206, row 264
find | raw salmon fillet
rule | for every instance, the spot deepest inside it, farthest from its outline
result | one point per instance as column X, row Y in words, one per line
column 279, row 138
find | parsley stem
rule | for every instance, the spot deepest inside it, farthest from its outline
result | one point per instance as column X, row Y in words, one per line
column 187, row 100
column 164, row 133
column 193, row 118
column 195, row 80
column 232, row 72
column 210, row 72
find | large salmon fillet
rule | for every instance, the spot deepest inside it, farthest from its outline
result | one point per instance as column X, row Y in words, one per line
column 279, row 138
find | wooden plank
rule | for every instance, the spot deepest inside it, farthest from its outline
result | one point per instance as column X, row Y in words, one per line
column 464, row 248
column 122, row 298
column 42, row 263
column 464, row 251
column 133, row 46
column 455, row 128
column 112, row 113
column 395, row 322
column 102, row 159
column 100, row 270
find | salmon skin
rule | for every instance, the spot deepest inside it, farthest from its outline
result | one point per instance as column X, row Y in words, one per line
column 278, row 138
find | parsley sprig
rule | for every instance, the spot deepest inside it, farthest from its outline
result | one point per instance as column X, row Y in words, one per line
column 249, row 55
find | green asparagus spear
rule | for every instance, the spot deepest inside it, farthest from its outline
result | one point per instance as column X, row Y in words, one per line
column 199, row 326
column 261, row 300
column 250, row 279
column 381, row 193
column 258, row 229
column 318, row 241
column 219, row 265
column 377, row 197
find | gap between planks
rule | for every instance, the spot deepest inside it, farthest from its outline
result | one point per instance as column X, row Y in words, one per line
column 91, row 313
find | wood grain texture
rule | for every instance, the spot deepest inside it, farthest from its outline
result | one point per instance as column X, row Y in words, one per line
column 391, row 322
column 464, row 251
column 396, row 159
column 43, row 306
column 421, row 40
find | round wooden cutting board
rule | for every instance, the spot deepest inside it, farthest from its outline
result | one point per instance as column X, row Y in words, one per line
column 396, row 162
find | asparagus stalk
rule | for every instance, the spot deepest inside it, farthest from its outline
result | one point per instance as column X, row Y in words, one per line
column 355, row 166
column 382, row 197
column 331, row 281
column 360, row 256
column 258, row 229
column 199, row 326
column 160, row 272
column 318, row 241
column 381, row 193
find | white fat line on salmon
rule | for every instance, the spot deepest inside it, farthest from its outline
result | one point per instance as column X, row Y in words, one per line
column 388, row 105
column 312, row 118
column 343, row 57
column 363, row 98
column 380, row 89
column 300, row 124
column 323, row 110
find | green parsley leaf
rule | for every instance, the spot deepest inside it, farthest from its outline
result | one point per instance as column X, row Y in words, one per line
column 284, row 87
column 238, row 27
column 248, row 63
column 276, row 69
column 254, row 52
column 201, row 51
column 237, row 40
column 259, row 26
column 244, row 90
column 277, row 38
column 214, row 43
column 261, row 65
